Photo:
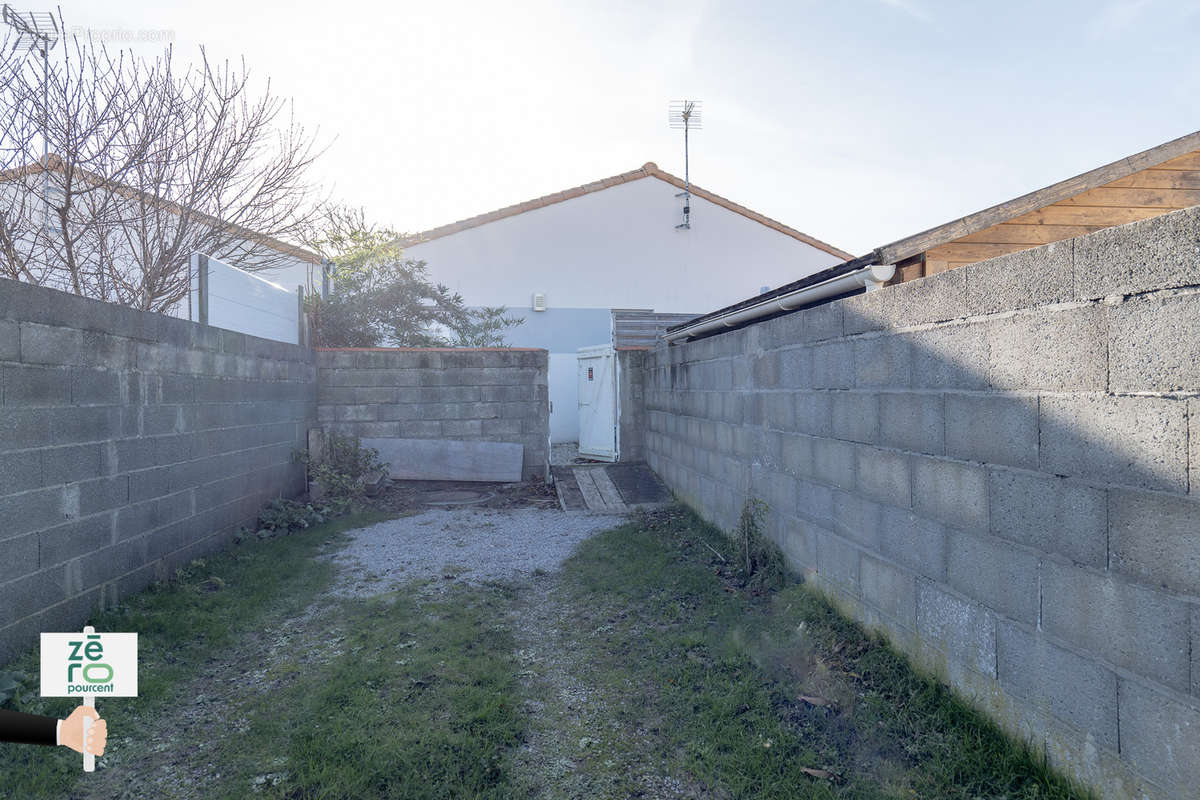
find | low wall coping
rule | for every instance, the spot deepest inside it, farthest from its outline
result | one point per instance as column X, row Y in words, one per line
column 431, row 350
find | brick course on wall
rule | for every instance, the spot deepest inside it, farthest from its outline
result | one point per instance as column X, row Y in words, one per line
column 998, row 467
column 484, row 394
column 130, row 443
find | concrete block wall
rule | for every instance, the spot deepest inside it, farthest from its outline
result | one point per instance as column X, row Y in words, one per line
column 999, row 468
column 130, row 443
column 482, row 394
column 631, row 402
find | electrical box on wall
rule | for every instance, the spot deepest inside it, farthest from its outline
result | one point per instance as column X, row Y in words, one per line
column 539, row 301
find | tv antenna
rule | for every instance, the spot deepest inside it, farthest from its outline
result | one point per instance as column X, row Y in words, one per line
column 685, row 114
column 37, row 31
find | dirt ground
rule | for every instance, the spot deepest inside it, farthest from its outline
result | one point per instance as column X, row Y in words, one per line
column 186, row 755
column 643, row 664
column 569, row 713
column 406, row 496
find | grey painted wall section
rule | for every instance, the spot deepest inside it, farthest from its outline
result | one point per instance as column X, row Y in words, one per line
column 998, row 467
column 130, row 443
column 481, row 395
column 560, row 330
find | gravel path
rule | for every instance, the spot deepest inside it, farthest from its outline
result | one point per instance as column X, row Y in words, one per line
column 563, row 453
column 468, row 544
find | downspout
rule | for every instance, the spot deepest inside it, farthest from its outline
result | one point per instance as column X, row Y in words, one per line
column 871, row 278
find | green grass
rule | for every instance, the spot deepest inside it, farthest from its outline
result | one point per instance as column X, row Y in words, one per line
column 421, row 703
column 208, row 608
column 682, row 667
column 719, row 667
column 396, row 696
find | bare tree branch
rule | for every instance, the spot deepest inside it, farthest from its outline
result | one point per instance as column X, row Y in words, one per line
column 149, row 163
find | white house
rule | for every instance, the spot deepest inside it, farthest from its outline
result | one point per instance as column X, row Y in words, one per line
column 39, row 237
column 614, row 243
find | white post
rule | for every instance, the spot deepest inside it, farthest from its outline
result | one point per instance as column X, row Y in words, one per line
column 89, row 760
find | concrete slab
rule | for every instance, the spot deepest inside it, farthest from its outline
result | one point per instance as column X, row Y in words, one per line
column 638, row 485
column 450, row 459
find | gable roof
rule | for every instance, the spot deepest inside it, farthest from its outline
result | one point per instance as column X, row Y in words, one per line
column 972, row 223
column 647, row 170
column 55, row 164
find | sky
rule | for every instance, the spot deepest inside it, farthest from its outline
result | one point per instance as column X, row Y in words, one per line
column 856, row 121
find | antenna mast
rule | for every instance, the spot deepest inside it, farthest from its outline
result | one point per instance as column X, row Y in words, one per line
column 37, row 31
column 685, row 114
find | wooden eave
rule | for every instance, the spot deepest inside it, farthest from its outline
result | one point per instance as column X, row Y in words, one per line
column 919, row 243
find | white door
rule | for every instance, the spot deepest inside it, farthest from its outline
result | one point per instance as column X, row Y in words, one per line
column 564, row 397
column 598, row 403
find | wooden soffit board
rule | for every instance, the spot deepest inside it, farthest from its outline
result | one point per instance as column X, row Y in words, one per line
column 1143, row 185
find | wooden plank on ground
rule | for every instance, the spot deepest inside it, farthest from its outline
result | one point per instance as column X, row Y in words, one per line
column 569, row 496
column 591, row 494
column 608, row 492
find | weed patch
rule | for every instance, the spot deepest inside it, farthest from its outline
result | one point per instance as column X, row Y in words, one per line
column 205, row 610
column 665, row 661
column 762, row 563
column 771, row 694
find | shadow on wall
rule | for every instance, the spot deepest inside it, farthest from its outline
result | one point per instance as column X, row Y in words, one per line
column 993, row 466
column 130, row 444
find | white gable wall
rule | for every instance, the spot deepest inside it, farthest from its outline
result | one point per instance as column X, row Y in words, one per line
column 618, row 248
column 615, row 248
column 287, row 270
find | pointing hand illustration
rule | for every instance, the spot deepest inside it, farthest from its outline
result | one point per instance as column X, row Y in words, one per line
column 71, row 733
column 35, row 729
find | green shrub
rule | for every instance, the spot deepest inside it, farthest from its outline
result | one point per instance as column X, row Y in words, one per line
column 15, row 688
column 281, row 517
column 761, row 561
column 342, row 470
column 340, row 473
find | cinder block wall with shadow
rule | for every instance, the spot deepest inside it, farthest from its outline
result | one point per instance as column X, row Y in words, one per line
column 130, row 444
column 999, row 468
